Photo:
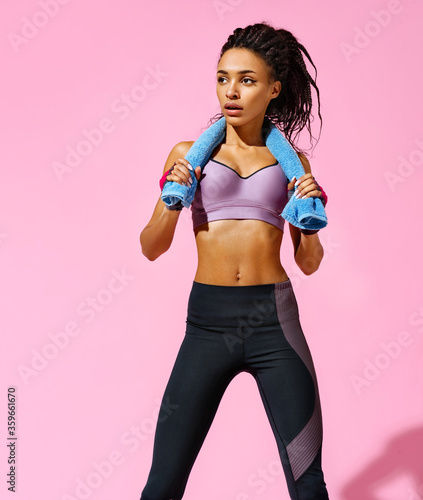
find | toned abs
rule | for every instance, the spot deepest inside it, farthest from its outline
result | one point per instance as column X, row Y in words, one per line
column 242, row 251
column 239, row 252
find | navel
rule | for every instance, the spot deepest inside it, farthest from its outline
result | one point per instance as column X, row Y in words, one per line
column 238, row 276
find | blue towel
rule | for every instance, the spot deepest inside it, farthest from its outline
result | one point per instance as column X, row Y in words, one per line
column 307, row 213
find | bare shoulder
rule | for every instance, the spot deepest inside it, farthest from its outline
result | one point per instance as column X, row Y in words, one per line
column 178, row 151
column 184, row 146
column 305, row 163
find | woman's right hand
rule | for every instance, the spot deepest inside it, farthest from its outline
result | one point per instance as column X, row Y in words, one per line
column 181, row 172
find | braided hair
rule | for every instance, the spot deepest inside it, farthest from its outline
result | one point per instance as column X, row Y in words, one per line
column 283, row 54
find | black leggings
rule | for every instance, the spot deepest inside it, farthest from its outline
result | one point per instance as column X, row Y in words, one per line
column 229, row 330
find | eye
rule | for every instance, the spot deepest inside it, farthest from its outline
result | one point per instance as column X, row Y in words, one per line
column 246, row 78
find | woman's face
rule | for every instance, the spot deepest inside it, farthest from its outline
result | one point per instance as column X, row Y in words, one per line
column 243, row 78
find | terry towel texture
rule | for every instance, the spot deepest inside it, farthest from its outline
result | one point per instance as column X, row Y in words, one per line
column 307, row 213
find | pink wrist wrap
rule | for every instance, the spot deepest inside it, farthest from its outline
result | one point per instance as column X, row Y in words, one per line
column 163, row 179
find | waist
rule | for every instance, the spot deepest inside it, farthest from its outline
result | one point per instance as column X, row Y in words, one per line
column 224, row 307
column 239, row 252
column 244, row 292
column 238, row 241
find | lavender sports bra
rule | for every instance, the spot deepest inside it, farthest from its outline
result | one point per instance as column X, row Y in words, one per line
column 223, row 194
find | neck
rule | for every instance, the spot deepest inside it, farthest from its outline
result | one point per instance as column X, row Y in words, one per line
column 247, row 135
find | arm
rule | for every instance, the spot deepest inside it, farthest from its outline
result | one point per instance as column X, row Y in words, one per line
column 308, row 251
column 157, row 236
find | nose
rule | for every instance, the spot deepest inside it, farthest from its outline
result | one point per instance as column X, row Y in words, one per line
column 231, row 92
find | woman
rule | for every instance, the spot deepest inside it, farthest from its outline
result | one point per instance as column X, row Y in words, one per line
column 242, row 312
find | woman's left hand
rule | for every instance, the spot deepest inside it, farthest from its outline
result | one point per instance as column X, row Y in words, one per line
column 306, row 187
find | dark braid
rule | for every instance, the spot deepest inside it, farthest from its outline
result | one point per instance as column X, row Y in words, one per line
column 282, row 53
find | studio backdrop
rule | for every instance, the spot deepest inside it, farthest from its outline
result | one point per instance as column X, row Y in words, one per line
column 95, row 95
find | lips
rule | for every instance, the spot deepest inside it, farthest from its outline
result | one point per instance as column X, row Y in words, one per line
column 231, row 105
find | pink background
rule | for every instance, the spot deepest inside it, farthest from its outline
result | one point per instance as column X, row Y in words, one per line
column 64, row 238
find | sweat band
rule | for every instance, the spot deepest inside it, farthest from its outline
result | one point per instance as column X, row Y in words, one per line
column 163, row 180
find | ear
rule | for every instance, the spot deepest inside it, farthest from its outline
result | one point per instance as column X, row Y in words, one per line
column 277, row 87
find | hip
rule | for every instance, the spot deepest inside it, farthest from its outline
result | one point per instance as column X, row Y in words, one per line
column 227, row 307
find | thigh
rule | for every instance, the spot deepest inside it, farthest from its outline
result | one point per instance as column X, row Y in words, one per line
column 286, row 386
column 198, row 380
column 287, row 383
column 201, row 373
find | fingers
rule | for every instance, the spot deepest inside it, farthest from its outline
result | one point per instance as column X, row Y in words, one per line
column 306, row 187
column 198, row 172
column 291, row 184
column 181, row 172
column 307, row 193
column 303, row 178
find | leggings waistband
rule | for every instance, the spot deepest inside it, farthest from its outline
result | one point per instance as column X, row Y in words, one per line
column 227, row 306
column 280, row 284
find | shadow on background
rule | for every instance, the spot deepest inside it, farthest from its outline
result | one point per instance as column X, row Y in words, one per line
column 403, row 455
